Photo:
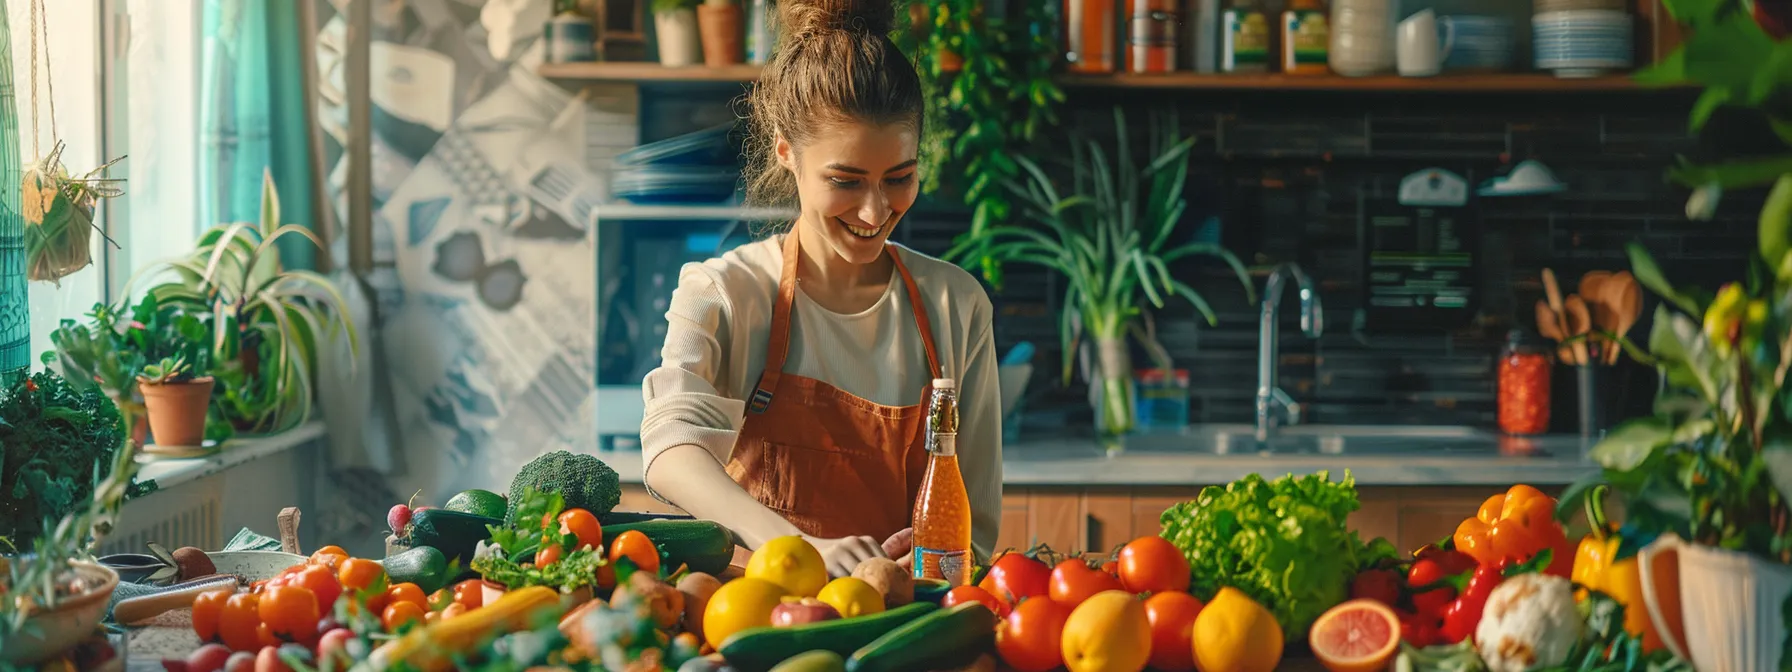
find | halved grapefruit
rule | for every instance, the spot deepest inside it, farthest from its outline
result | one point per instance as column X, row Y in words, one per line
column 1356, row 636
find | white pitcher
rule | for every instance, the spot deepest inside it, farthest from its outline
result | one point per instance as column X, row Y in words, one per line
column 1718, row 609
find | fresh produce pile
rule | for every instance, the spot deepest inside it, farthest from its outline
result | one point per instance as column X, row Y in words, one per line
column 549, row 578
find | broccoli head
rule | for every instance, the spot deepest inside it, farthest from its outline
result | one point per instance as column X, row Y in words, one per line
column 584, row 481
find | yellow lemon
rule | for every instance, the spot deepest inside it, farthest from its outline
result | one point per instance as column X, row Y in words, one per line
column 738, row 605
column 792, row 563
column 1108, row 632
column 852, row 597
column 1235, row 634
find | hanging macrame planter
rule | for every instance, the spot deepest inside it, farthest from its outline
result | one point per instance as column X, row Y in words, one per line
column 58, row 208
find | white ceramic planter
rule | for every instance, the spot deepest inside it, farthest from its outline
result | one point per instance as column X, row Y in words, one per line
column 677, row 33
column 1729, row 604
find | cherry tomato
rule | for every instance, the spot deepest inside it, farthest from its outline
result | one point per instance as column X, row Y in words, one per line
column 470, row 593
column 1028, row 639
column 1153, row 565
column 290, row 612
column 584, row 526
column 358, row 575
column 322, row 583
column 638, row 549
column 408, row 592
column 963, row 594
column 400, row 613
column 548, row 555
column 376, row 603
column 238, row 621
column 1074, row 581
column 1172, row 616
column 208, row 608
column 268, row 660
column 1377, row 584
column 1015, row 577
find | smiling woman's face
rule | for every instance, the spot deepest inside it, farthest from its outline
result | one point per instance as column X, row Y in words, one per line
column 854, row 183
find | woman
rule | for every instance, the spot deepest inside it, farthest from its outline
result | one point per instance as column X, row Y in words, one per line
column 830, row 329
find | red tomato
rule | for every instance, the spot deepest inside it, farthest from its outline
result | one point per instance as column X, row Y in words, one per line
column 1172, row 616
column 1015, row 577
column 408, row 592
column 208, row 609
column 582, row 525
column 238, row 621
column 548, row 555
column 963, row 594
column 638, row 549
column 1073, row 581
column 333, row 647
column 322, row 583
column 357, row 574
column 290, row 612
column 1153, row 565
column 1028, row 639
column 470, row 593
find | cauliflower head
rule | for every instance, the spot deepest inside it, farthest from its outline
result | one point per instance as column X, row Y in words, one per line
column 1530, row 621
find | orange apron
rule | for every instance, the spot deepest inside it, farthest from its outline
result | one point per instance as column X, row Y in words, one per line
column 833, row 464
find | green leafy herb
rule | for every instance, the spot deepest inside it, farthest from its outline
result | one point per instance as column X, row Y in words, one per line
column 527, row 534
column 52, row 439
column 1283, row 543
column 1607, row 647
column 577, row 570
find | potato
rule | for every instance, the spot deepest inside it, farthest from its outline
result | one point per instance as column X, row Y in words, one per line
column 696, row 588
column 896, row 584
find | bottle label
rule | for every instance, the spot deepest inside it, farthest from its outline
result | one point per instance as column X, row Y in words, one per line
column 1307, row 38
column 952, row 566
column 1246, row 40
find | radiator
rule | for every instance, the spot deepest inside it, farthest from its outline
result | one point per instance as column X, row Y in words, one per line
column 184, row 516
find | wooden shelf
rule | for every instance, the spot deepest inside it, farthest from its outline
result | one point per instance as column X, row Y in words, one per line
column 1490, row 83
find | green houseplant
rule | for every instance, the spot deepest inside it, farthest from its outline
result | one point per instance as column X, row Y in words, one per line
column 98, row 353
column 1113, row 238
column 52, row 434
column 267, row 321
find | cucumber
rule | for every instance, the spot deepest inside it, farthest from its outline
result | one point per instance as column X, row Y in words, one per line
column 423, row 565
column 703, row 545
column 453, row 533
column 813, row 661
column 761, row 649
column 479, row 503
column 945, row 639
column 629, row 517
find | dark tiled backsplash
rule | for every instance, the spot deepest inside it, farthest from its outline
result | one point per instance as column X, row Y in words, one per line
column 1290, row 176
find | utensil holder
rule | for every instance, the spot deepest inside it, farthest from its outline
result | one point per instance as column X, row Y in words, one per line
column 1588, row 400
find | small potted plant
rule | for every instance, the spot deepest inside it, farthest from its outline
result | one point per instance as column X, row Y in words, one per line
column 720, row 23
column 98, row 353
column 675, row 22
column 177, row 401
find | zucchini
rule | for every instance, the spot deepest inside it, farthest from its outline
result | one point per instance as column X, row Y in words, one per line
column 761, row 649
column 423, row 565
column 630, row 517
column 434, row 648
column 704, row 545
column 453, row 533
column 813, row 661
column 945, row 639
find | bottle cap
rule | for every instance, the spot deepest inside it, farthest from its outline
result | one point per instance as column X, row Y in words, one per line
column 944, row 384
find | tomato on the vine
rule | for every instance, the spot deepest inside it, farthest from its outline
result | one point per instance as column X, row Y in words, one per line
column 208, row 610
column 582, row 525
column 321, row 582
column 548, row 555
column 1015, row 577
column 1074, row 581
column 238, row 621
column 290, row 612
column 963, row 594
column 1028, row 639
column 1153, row 565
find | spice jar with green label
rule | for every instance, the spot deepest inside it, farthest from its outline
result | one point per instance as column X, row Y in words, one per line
column 1244, row 37
column 1305, row 38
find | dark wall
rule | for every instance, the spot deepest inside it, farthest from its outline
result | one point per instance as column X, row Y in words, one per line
column 1294, row 176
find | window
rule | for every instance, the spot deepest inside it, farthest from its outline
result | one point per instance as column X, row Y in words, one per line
column 125, row 76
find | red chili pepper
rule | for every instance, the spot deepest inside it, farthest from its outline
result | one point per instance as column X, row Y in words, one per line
column 1463, row 615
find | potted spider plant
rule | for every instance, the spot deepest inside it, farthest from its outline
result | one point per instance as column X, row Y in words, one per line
column 58, row 210
column 267, row 320
column 177, row 398
column 1114, row 241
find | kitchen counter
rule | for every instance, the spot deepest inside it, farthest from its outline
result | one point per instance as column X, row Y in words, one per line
column 1219, row 454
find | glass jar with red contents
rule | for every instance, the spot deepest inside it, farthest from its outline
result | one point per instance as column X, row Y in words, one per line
column 1524, row 367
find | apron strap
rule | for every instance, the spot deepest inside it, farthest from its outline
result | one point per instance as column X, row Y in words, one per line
column 778, row 345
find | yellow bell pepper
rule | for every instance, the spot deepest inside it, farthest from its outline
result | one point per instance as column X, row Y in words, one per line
column 1594, row 569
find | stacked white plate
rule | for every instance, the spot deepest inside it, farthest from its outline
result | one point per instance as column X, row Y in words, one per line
column 1582, row 42
column 1362, row 37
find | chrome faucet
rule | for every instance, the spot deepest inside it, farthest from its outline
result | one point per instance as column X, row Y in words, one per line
column 1312, row 322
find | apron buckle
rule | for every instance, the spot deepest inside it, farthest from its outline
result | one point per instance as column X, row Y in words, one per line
column 761, row 399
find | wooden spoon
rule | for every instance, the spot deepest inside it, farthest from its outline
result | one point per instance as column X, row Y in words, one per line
column 1553, row 292
column 1595, row 288
column 1628, row 305
column 1549, row 323
column 1580, row 322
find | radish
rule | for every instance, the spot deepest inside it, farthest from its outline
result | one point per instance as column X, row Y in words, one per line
column 398, row 518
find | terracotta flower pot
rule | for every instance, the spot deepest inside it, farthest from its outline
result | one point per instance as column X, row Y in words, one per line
column 177, row 411
column 133, row 415
column 722, row 34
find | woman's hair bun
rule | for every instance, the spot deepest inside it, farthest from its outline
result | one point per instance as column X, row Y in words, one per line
column 811, row 17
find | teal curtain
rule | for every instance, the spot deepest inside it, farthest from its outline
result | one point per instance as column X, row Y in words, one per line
column 254, row 118
column 15, row 313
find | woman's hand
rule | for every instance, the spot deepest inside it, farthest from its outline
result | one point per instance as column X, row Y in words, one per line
column 900, row 546
column 844, row 555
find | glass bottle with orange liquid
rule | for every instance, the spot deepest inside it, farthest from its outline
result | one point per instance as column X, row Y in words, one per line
column 942, row 516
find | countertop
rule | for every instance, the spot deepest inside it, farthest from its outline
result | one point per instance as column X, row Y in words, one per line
column 1468, row 457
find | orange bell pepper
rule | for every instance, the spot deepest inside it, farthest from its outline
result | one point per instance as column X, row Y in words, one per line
column 1514, row 526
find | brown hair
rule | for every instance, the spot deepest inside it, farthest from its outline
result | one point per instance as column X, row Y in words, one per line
column 834, row 63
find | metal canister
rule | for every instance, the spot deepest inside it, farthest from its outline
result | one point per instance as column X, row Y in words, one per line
column 571, row 38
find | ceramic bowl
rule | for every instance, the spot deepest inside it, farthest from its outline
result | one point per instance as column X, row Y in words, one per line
column 69, row 623
column 254, row 565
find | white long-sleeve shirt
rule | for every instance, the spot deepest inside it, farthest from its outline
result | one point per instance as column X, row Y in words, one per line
column 719, row 322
